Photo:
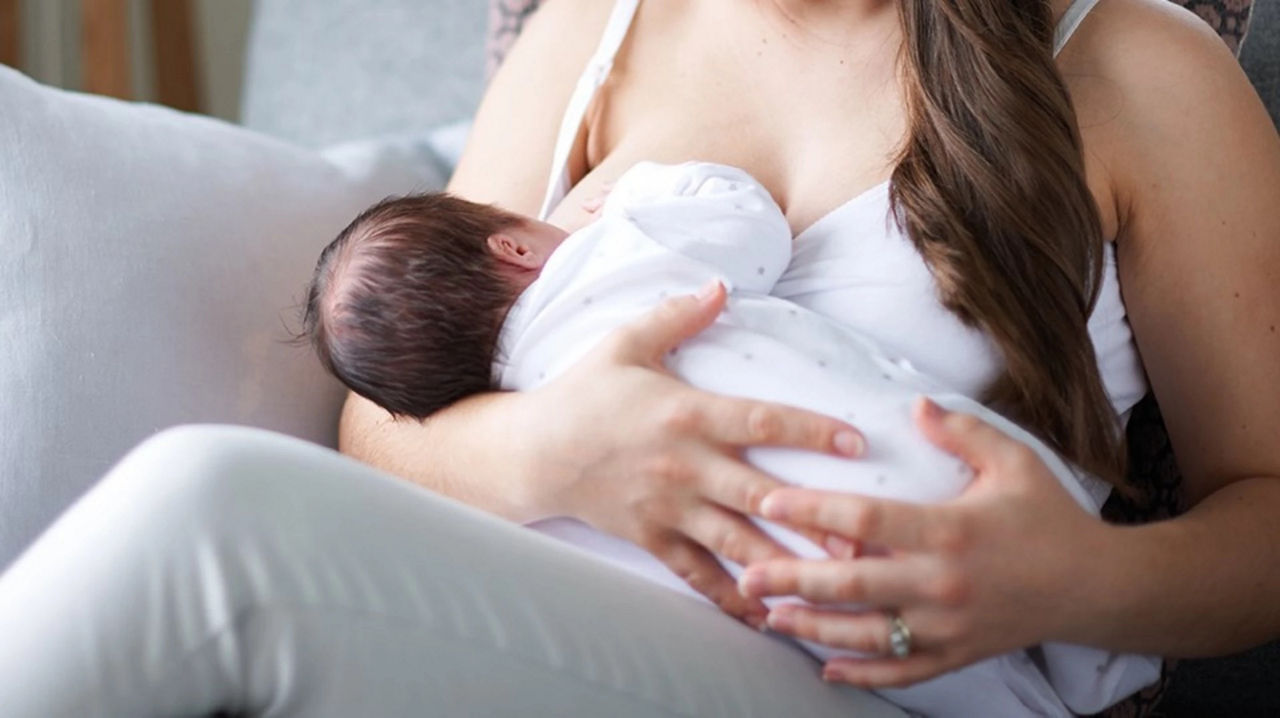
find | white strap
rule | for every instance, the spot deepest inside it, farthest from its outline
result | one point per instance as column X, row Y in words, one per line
column 1070, row 22
column 593, row 76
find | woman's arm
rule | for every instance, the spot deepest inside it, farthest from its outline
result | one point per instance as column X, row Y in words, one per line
column 1199, row 261
column 615, row 441
column 1195, row 162
column 507, row 162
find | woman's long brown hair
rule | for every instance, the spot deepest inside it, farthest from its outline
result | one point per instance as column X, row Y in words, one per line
column 991, row 188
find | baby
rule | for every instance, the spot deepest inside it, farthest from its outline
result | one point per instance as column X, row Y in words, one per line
column 424, row 300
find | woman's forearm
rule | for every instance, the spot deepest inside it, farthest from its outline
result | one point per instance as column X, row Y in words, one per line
column 467, row 452
column 1205, row 583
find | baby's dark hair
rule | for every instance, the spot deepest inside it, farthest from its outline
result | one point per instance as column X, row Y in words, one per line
column 406, row 304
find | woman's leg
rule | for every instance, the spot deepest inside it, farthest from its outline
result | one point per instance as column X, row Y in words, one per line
column 231, row 569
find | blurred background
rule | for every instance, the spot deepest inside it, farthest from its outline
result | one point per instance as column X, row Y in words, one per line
column 188, row 54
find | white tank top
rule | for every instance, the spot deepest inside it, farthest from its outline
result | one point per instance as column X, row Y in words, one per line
column 856, row 266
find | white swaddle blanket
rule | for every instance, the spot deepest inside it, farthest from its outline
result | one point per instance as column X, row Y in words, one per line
column 668, row 230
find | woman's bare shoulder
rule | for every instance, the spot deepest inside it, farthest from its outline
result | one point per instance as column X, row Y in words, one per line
column 1148, row 40
column 1155, row 56
column 1156, row 89
column 1194, row 159
column 508, row 155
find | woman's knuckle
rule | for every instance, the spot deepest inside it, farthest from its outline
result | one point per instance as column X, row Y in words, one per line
column 683, row 565
column 951, row 630
column 752, row 496
column 763, row 424
column 852, row 586
column 722, row 541
column 863, row 519
column 951, row 589
column 949, row 536
column 825, row 632
column 680, row 417
column 665, row 467
column 657, row 543
column 649, row 509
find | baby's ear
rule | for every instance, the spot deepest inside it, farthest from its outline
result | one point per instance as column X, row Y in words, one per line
column 509, row 249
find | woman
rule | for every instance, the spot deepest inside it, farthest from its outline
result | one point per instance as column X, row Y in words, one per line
column 227, row 570
column 803, row 95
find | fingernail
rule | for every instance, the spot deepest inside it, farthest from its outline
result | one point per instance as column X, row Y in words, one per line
column 840, row 547
column 773, row 507
column 929, row 409
column 848, row 443
column 831, row 674
column 758, row 621
column 750, row 583
column 781, row 620
column 708, row 290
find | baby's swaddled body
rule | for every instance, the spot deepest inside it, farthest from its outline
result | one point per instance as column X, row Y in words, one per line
column 668, row 230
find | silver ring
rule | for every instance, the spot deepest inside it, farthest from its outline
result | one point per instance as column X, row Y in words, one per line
column 899, row 638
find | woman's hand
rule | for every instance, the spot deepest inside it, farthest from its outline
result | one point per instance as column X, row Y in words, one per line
column 984, row 574
column 621, row 444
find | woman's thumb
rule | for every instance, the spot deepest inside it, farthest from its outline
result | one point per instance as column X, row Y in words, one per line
column 659, row 331
column 967, row 437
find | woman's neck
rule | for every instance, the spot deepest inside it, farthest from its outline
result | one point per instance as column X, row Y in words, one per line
column 840, row 23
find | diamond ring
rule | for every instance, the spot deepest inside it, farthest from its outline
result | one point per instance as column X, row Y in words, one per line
column 899, row 638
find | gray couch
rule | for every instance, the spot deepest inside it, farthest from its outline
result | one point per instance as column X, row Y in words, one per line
column 322, row 71
column 1261, row 54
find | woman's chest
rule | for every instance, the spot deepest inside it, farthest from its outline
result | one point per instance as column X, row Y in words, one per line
column 812, row 130
column 815, row 125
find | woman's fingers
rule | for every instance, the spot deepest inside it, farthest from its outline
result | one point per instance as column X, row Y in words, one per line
column 878, row 582
column 733, row 484
column 730, row 535
column 698, row 568
column 726, row 421
column 888, row 672
column 866, row 632
column 972, row 440
column 745, row 422
column 895, row 524
column 649, row 338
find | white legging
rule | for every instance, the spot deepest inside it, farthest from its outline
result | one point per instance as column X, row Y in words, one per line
column 229, row 569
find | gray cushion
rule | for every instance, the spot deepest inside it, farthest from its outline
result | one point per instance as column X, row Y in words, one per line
column 325, row 71
column 152, row 265
column 1261, row 54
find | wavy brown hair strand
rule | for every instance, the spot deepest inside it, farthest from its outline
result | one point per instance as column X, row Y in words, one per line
column 991, row 188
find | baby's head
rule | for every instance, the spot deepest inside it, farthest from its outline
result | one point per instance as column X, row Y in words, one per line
column 406, row 304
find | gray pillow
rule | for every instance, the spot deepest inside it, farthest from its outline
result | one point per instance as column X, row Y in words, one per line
column 326, row 71
column 150, row 263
